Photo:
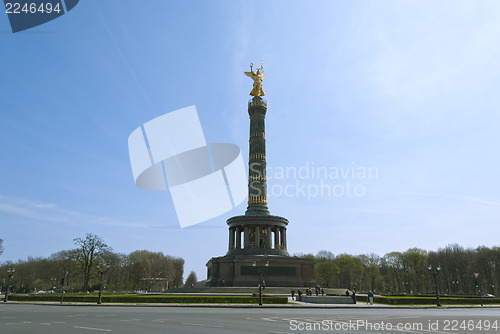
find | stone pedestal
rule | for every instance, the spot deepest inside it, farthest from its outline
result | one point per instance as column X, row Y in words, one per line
column 259, row 238
column 283, row 271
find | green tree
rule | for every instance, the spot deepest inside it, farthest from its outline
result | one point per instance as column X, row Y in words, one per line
column 191, row 280
column 305, row 256
column 351, row 271
column 415, row 269
column 326, row 273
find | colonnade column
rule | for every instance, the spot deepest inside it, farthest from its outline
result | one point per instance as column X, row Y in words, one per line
column 269, row 240
column 231, row 237
column 238, row 237
column 282, row 234
column 276, row 238
column 284, row 238
column 245, row 237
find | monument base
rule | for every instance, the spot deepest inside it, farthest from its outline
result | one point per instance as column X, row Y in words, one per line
column 283, row 271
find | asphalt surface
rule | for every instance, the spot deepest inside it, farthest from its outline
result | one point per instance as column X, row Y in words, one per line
column 55, row 319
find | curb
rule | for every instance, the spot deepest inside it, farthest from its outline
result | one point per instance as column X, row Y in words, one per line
column 288, row 306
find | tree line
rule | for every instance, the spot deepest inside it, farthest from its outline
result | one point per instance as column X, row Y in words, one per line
column 396, row 272
column 83, row 266
column 408, row 272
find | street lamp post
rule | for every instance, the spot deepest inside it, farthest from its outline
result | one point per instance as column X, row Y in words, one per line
column 102, row 269
column 259, row 271
column 455, row 286
column 53, row 288
column 63, row 280
column 434, row 272
column 10, row 274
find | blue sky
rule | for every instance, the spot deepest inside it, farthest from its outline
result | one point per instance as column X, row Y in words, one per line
column 409, row 88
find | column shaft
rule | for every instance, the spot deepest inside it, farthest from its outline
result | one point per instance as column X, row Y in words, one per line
column 238, row 237
column 231, row 237
column 257, row 182
column 281, row 237
column 276, row 238
column 269, row 241
column 284, row 238
column 245, row 237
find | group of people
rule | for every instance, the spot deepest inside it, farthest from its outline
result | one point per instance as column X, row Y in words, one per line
column 370, row 296
column 309, row 292
column 353, row 295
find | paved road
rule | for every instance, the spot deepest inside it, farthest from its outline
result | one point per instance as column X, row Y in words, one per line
column 26, row 319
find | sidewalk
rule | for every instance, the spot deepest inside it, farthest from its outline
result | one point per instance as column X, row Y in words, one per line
column 386, row 306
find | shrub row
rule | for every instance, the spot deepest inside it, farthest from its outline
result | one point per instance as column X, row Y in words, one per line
column 429, row 300
column 153, row 299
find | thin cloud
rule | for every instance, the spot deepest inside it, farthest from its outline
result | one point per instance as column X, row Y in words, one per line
column 478, row 200
column 462, row 197
column 50, row 212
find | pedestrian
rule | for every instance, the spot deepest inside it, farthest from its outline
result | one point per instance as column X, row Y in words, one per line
column 317, row 290
column 370, row 297
column 293, row 293
column 347, row 292
column 322, row 292
column 353, row 296
column 299, row 293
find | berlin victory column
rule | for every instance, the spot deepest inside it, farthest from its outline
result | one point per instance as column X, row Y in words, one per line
column 257, row 240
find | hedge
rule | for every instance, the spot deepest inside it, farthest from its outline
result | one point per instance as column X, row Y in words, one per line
column 152, row 299
column 429, row 300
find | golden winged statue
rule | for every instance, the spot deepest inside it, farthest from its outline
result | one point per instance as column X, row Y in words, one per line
column 257, row 80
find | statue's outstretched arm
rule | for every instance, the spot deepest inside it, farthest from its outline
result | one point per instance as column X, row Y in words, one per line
column 251, row 75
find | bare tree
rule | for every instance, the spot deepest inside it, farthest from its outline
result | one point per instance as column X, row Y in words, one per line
column 392, row 264
column 178, row 271
column 64, row 258
column 371, row 275
column 324, row 255
column 89, row 249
